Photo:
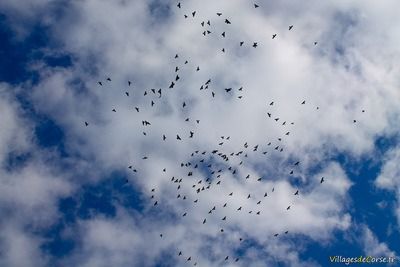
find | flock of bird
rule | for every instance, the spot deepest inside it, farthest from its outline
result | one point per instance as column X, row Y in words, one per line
column 210, row 161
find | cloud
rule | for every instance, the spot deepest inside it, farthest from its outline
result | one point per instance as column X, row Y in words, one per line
column 388, row 178
column 345, row 73
column 372, row 246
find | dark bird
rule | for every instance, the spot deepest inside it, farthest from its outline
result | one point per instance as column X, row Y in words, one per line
column 172, row 85
column 86, row 124
column 227, row 21
column 273, row 36
column 241, row 43
column 226, row 258
column 129, row 83
column 137, row 109
column 100, row 83
column 296, row 193
column 290, row 27
column 164, row 137
column 219, row 14
column 114, row 110
column 255, row 5
column 228, row 89
column 204, row 221
column 254, row 44
column 303, row 102
column 193, row 13
column 178, row 138
column 179, row 5
column 288, row 208
column 127, row 93
column 322, row 180
column 108, row 79
column 315, row 43
column 223, row 34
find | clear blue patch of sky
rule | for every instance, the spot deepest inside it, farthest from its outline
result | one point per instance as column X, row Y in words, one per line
column 363, row 207
column 91, row 200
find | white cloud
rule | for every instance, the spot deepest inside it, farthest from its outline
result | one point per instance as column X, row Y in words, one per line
column 389, row 178
column 347, row 72
column 372, row 246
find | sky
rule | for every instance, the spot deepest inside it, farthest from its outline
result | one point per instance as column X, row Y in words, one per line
column 248, row 128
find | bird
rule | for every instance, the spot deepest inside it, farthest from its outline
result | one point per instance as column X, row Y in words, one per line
column 273, row 36
column 255, row 44
column 219, row 14
column 241, row 43
column 227, row 21
column 296, row 193
column 303, row 102
column 86, row 123
column 179, row 5
column 290, row 27
column 322, row 180
column 256, row 6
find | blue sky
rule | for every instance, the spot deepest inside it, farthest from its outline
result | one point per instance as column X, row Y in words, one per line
column 69, row 198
